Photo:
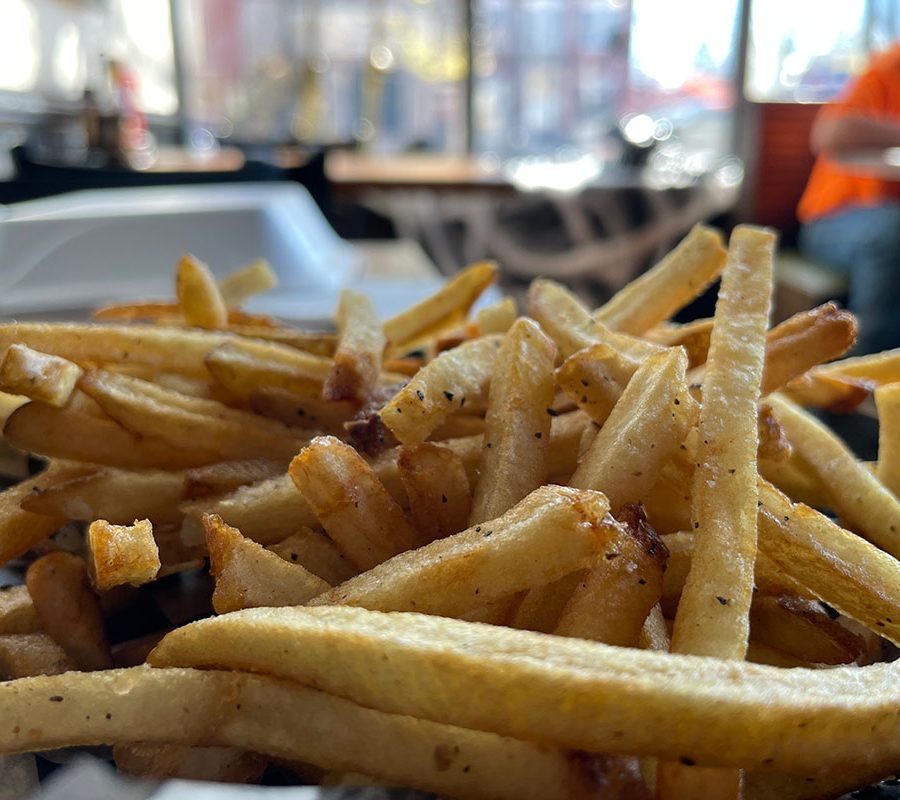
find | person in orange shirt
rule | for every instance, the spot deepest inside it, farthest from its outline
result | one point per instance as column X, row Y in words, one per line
column 851, row 221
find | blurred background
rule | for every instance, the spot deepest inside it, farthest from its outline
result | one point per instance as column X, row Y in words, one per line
column 575, row 138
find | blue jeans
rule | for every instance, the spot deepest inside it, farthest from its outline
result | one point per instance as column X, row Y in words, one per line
column 863, row 243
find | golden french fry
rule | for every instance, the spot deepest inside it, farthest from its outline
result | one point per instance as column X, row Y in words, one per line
column 804, row 630
column 199, row 298
column 249, row 576
column 302, row 411
column 712, row 616
column 614, row 598
column 797, row 479
column 319, row 343
column 876, row 369
column 804, row 341
column 17, row 611
column 226, row 476
column 657, row 294
column 23, row 655
column 887, row 401
column 121, row 554
column 262, row 715
column 496, row 318
column 216, row 432
column 361, row 342
column 566, row 321
column 568, row 692
column 165, row 761
column 861, row 501
column 644, row 430
column 67, row 608
column 836, row 566
column 38, row 376
column 437, row 486
column 114, row 495
column 256, row 278
column 317, row 553
column 351, row 503
column 551, row 533
column 21, row 530
column 595, row 377
column 540, row 608
column 514, row 459
column 774, row 445
column 692, row 336
column 832, row 392
column 457, row 295
column 441, row 387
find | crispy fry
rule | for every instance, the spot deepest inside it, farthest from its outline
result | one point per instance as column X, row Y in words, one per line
column 569, row 692
column 352, row 504
column 551, row 533
column 657, row 294
column 832, row 392
column 496, row 318
column 302, row 411
column 876, row 369
column 114, row 495
column 262, row 714
column 38, row 376
column 23, row 655
column 121, row 554
column 514, row 459
column 887, row 401
column 540, row 608
column 595, row 377
column 256, row 278
column 457, row 295
column 692, row 336
column 643, row 431
column 67, row 608
column 319, row 343
column 860, row 500
column 361, row 342
column 437, row 486
column 443, row 386
column 198, row 293
column 227, row 476
column 17, row 613
column 317, row 553
column 249, row 576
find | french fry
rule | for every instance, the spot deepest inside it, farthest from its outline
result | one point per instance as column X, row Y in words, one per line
column 361, row 342
column 804, row 341
column 643, row 431
column 496, row 318
column 437, row 486
column 302, row 411
column 540, row 608
column 23, row 655
column 319, row 343
column 17, row 611
column 713, row 613
column 186, row 707
column 249, row 576
column 242, row 284
column 876, row 369
column 568, row 692
column 457, row 295
column 836, row 566
column 832, row 392
column 594, row 378
column 692, row 336
column 114, row 495
column 611, row 603
column 443, row 386
column 861, row 501
column 317, row 553
column 712, row 616
column 199, row 298
column 227, row 476
column 654, row 632
column 221, row 435
column 21, row 530
column 887, row 401
column 514, row 459
column 804, row 630
column 67, row 609
column 38, row 376
column 247, row 367
column 657, row 294
column 797, row 479
column 352, row 504
column 551, row 533
column 570, row 325
column 68, row 434
column 121, row 554
column 774, row 445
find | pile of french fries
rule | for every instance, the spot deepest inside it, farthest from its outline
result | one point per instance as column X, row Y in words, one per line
column 573, row 554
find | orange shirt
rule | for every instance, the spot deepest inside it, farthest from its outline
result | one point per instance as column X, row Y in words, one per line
column 875, row 94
